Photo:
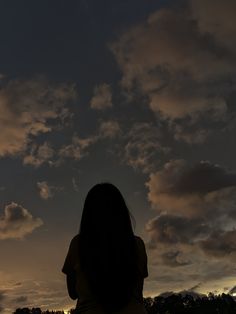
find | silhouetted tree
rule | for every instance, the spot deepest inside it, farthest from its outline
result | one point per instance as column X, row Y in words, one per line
column 187, row 304
column 35, row 310
column 171, row 304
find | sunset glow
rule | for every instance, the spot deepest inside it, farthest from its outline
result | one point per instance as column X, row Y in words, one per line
column 137, row 93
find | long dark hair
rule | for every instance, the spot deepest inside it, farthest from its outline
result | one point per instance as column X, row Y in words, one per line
column 107, row 247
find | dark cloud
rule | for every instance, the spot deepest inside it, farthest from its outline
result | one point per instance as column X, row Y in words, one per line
column 220, row 244
column 196, row 223
column 17, row 222
column 200, row 178
column 2, row 295
column 195, row 287
column 192, row 190
column 143, row 147
column 174, row 259
column 169, row 229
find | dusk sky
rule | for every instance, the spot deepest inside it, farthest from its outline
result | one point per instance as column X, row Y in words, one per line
column 134, row 92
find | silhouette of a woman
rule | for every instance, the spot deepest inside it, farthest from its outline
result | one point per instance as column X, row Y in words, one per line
column 106, row 263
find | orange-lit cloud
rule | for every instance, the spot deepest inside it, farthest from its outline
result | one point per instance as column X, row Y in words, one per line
column 47, row 191
column 109, row 129
column 26, row 106
column 102, row 97
column 39, row 154
column 79, row 147
column 192, row 191
column 17, row 222
column 188, row 68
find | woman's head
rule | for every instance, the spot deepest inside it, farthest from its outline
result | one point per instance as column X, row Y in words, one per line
column 107, row 247
column 105, row 212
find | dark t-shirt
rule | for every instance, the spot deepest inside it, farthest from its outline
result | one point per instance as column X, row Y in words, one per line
column 86, row 302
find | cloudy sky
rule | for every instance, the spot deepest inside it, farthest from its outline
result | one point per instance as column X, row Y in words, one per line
column 138, row 93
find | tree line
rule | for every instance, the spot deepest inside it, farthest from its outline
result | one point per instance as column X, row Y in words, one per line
column 172, row 304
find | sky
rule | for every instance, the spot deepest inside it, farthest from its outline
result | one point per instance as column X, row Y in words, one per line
column 137, row 93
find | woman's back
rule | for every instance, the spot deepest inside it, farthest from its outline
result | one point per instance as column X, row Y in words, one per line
column 106, row 263
column 86, row 300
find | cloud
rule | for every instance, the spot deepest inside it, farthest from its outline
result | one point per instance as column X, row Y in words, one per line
column 174, row 259
column 47, row 293
column 180, row 188
column 102, row 97
column 196, row 206
column 232, row 290
column 143, row 147
column 21, row 299
column 47, row 191
column 190, row 134
column 109, row 129
column 220, row 244
column 79, row 147
column 39, row 154
column 26, row 109
column 2, row 297
column 170, row 229
column 17, row 222
column 188, row 69
column 75, row 184
column 221, row 24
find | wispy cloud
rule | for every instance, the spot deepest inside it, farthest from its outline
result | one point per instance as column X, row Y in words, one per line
column 39, row 154
column 79, row 147
column 75, row 184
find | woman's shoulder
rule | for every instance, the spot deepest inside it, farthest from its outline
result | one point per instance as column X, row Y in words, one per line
column 74, row 241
